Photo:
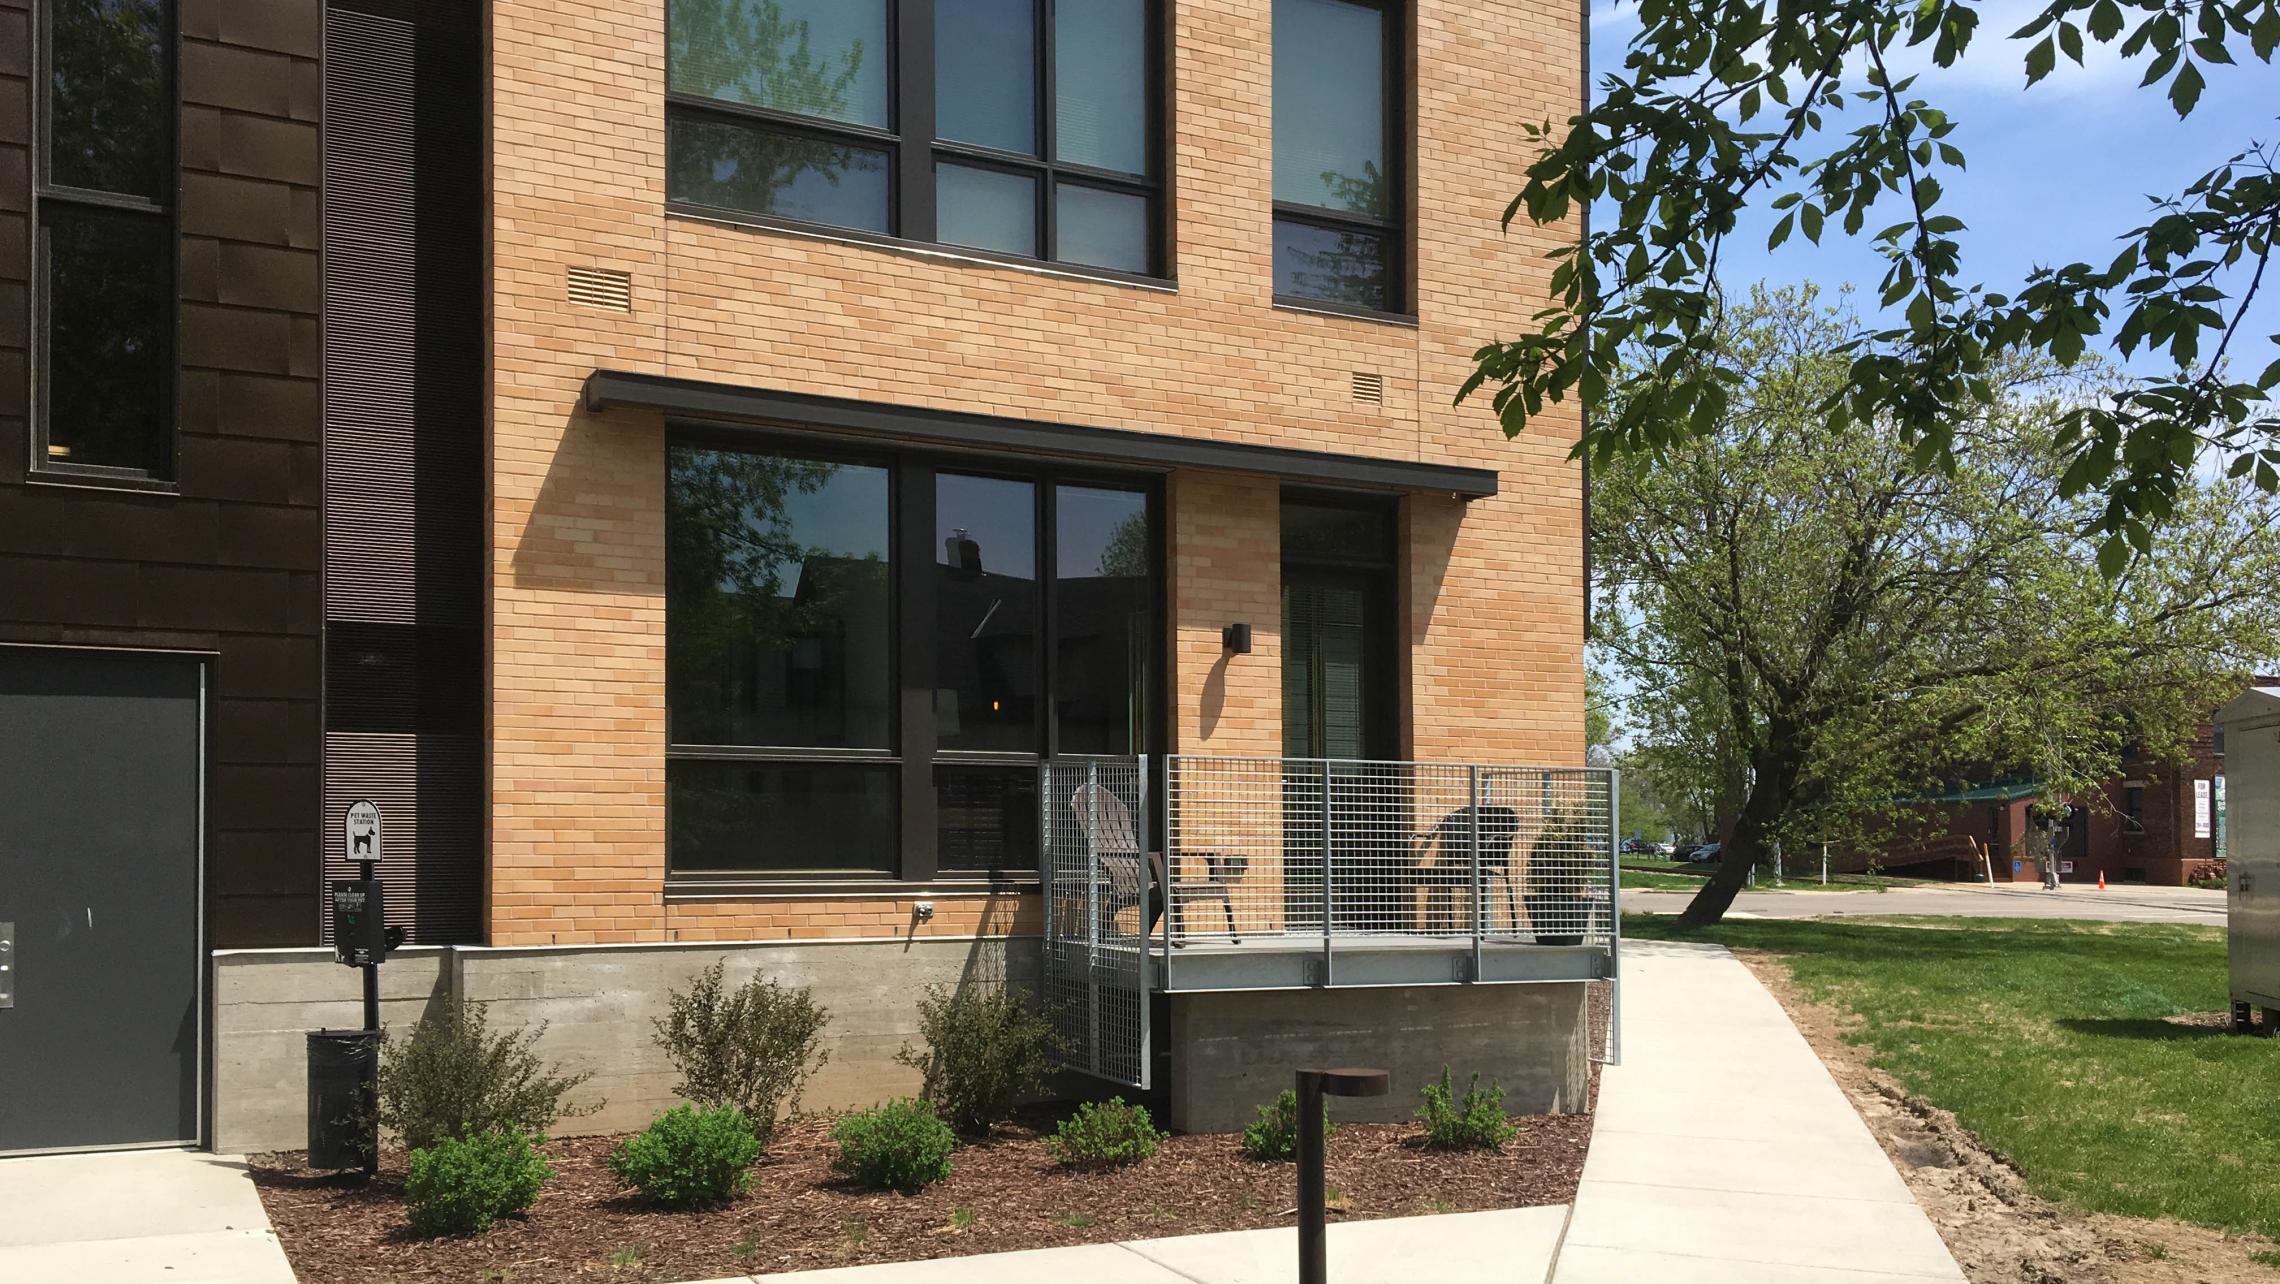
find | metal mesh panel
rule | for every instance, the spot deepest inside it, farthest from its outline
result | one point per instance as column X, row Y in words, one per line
column 1331, row 848
column 1099, row 902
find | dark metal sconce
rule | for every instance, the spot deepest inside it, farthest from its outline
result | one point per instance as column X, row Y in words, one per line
column 1236, row 638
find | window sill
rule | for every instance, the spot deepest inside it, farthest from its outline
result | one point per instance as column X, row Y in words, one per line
column 1352, row 312
column 928, row 250
column 697, row 887
column 100, row 479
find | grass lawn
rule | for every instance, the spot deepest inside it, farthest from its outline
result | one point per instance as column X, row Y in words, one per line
column 2046, row 1039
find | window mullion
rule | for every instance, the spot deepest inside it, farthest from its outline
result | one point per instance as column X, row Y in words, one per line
column 1048, row 139
column 917, row 735
column 914, row 121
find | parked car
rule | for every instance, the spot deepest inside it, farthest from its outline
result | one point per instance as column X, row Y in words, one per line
column 1707, row 853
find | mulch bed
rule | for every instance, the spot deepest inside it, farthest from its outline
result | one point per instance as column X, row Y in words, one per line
column 1004, row 1194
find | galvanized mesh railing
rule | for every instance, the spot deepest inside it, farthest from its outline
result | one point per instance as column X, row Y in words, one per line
column 1099, row 901
column 1290, row 846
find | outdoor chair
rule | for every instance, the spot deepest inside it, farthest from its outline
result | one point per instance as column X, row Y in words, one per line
column 1107, row 823
column 1442, row 863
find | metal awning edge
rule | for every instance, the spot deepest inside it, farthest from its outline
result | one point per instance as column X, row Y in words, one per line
column 674, row 395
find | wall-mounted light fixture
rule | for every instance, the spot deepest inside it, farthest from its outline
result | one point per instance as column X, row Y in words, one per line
column 1236, row 638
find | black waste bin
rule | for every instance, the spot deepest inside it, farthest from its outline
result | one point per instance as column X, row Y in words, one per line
column 341, row 1073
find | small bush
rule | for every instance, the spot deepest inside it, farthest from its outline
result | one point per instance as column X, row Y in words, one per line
column 902, row 1145
column 454, row 1078
column 1475, row 1122
column 985, row 1051
column 754, row 1049
column 1105, row 1135
column 1274, row 1134
column 688, row 1158
column 459, row 1186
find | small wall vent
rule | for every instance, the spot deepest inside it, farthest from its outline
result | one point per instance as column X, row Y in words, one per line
column 1369, row 387
column 602, row 288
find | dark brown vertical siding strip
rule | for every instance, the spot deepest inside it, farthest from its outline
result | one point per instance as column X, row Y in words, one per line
column 403, row 468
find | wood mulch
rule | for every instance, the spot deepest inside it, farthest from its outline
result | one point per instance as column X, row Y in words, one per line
column 1004, row 1194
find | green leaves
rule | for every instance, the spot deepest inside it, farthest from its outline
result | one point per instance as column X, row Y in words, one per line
column 2185, row 90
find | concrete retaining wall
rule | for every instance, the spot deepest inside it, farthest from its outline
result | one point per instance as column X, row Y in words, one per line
column 1232, row 1052
column 597, row 1003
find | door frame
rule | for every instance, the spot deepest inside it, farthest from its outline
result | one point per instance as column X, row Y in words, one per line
column 1376, row 574
column 201, row 1058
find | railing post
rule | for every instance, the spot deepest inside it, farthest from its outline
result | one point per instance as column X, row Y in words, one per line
column 1614, row 916
column 1093, row 1058
column 1479, row 876
column 1328, row 903
column 1140, row 938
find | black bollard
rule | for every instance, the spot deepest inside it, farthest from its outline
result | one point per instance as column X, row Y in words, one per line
column 1313, row 1216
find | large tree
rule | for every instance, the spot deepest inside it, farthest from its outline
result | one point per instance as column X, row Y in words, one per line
column 1812, row 623
column 1794, row 106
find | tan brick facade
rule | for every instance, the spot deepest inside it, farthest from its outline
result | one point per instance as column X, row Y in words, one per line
column 1494, row 595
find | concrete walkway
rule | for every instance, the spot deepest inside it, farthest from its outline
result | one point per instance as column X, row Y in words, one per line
column 1724, row 1151
column 135, row 1216
column 1965, row 900
column 1512, row 1246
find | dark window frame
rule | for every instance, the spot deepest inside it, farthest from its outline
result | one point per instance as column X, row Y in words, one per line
column 1377, row 575
column 39, row 465
column 915, row 750
column 1398, row 228
column 914, row 149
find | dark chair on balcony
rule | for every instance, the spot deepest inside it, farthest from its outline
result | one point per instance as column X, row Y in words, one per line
column 1442, row 864
column 1107, row 824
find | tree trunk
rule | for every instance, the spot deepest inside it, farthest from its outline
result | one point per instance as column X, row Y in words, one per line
column 1773, row 781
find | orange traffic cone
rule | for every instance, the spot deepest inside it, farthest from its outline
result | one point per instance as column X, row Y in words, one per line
column 2101, row 880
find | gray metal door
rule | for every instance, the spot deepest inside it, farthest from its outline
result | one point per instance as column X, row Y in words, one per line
column 100, row 816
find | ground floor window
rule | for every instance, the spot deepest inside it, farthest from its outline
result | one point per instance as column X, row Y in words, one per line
column 867, row 654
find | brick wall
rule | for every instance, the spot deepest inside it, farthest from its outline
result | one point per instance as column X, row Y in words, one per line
column 1494, row 595
column 227, row 561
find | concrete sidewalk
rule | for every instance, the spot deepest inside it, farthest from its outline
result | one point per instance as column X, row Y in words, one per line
column 1510, row 1246
column 134, row 1216
column 1724, row 1151
column 1964, row 900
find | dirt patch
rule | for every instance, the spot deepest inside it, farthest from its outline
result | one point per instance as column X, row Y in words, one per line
column 1999, row 1231
column 1005, row 1194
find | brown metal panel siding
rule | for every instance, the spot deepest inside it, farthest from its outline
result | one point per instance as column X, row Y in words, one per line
column 403, row 468
column 227, row 562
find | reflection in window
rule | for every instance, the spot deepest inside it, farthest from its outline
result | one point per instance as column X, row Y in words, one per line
column 985, row 73
column 1102, row 614
column 777, row 610
column 733, row 165
column 986, row 818
column 105, row 232
column 985, row 602
column 1100, row 108
column 1337, row 208
column 730, row 817
column 987, row 209
column 822, row 58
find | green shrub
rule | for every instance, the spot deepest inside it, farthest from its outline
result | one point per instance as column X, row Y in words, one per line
column 687, row 1158
column 902, row 1145
column 1274, row 1134
column 1105, row 1135
column 459, row 1186
column 1476, row 1122
column 986, row 1049
column 754, row 1049
column 454, row 1078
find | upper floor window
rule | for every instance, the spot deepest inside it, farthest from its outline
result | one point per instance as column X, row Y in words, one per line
column 104, row 248
column 1340, row 203
column 1027, row 128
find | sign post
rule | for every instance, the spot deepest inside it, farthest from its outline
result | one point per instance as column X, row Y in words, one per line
column 1313, row 1085
column 360, row 930
column 342, row 1120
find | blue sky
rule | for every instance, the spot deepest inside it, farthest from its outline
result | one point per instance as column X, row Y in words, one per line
column 2055, row 173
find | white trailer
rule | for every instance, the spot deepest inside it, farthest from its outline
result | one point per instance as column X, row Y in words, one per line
column 2252, row 850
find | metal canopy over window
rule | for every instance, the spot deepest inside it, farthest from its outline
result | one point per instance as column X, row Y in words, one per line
column 954, row 430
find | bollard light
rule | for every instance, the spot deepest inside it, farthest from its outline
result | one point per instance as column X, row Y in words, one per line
column 1313, row 1086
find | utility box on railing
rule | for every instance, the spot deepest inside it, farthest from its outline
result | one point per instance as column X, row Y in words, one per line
column 2251, row 728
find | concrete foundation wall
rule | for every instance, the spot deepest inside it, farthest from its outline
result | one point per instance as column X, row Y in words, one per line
column 1232, row 1052
column 597, row 1004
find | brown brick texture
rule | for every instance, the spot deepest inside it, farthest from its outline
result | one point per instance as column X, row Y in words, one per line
column 1494, row 589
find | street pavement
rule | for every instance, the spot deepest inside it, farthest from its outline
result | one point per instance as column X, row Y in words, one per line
column 2118, row 904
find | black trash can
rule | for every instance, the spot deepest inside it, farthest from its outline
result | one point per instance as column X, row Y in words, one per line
column 342, row 1065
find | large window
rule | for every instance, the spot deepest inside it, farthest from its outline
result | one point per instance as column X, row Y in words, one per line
column 866, row 657
column 104, row 244
column 1023, row 128
column 1340, row 200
